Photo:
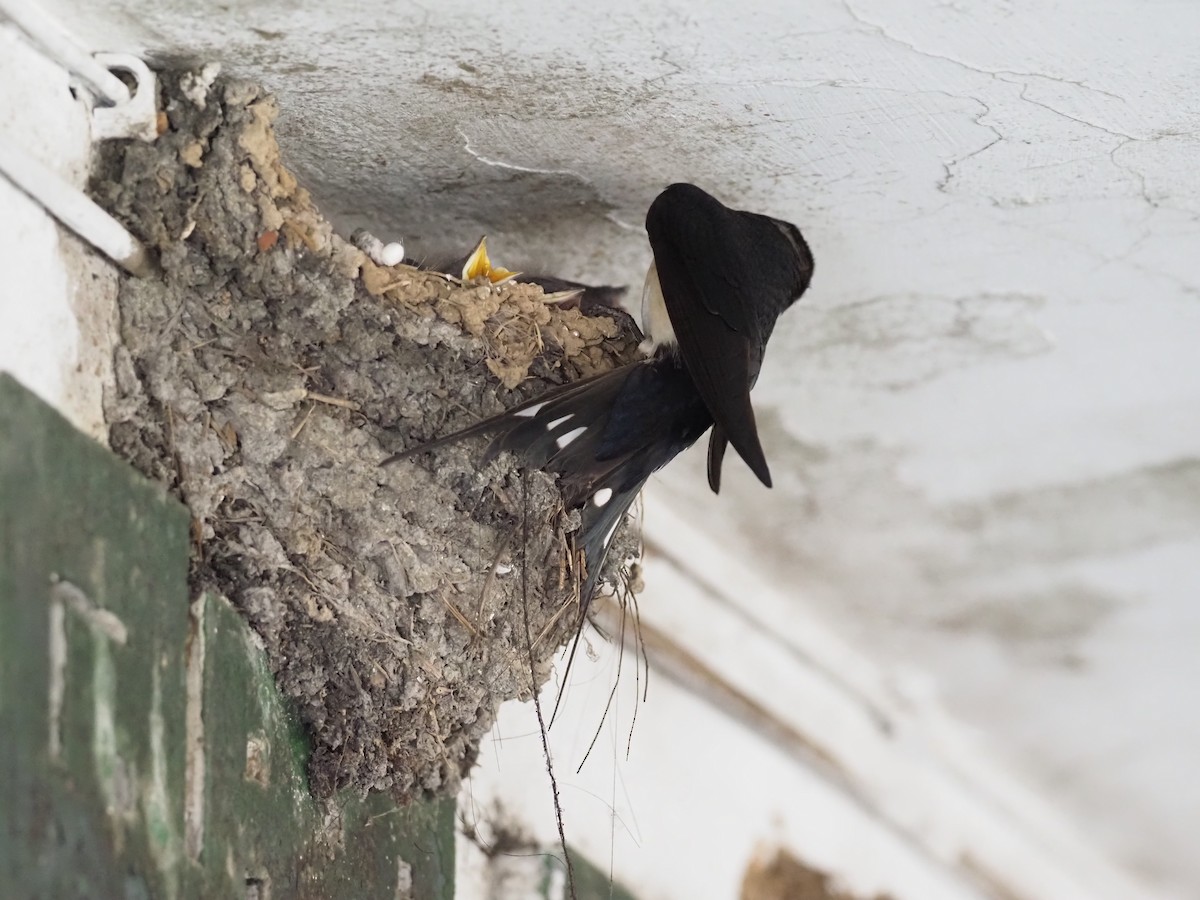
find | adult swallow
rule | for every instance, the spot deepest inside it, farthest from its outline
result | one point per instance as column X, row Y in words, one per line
column 720, row 279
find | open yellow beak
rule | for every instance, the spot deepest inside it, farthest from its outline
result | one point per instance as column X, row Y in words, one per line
column 478, row 266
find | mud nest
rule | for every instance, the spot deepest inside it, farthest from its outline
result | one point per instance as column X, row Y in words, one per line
column 264, row 376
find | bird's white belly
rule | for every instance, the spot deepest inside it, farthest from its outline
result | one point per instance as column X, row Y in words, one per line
column 656, row 324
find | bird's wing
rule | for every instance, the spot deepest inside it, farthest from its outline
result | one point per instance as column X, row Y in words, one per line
column 602, row 436
column 699, row 257
column 500, row 421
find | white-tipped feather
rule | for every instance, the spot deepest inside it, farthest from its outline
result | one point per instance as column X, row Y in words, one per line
column 608, row 537
column 566, row 439
column 602, row 496
column 529, row 411
column 552, row 425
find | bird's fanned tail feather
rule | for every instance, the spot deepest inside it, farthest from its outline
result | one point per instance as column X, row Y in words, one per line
column 496, row 422
column 603, row 436
column 565, row 431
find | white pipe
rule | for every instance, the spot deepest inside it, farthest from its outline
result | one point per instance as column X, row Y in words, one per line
column 74, row 209
column 60, row 45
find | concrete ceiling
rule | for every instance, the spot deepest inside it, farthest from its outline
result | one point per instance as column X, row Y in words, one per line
column 983, row 418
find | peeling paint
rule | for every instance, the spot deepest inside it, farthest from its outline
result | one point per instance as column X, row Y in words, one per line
column 195, row 764
column 57, row 660
column 258, row 759
column 101, row 620
column 157, row 806
column 114, row 772
column 404, row 881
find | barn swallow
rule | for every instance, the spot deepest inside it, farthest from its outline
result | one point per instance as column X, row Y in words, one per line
column 720, row 279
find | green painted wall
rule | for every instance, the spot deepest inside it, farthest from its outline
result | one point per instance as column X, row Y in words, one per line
column 115, row 785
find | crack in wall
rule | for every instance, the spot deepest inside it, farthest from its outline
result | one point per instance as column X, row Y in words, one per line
column 950, row 168
column 882, row 31
column 1008, row 76
column 514, row 167
column 1024, row 96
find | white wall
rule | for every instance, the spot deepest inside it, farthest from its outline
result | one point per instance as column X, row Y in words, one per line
column 57, row 300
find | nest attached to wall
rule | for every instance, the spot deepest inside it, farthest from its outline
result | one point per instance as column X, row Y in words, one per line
column 264, row 376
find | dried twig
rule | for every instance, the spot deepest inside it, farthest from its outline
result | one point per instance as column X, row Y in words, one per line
column 537, row 702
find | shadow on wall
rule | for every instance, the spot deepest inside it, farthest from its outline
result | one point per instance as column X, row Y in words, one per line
column 538, row 221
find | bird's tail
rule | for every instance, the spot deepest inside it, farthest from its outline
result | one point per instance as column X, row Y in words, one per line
column 563, row 431
column 603, row 436
column 496, row 422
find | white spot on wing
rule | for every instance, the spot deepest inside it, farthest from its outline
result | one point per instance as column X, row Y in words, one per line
column 565, row 439
column 551, row 426
column 602, row 496
column 608, row 537
column 530, row 410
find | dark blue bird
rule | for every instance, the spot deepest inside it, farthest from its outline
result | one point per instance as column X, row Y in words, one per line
column 720, row 279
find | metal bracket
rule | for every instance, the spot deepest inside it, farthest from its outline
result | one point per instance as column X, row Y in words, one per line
column 136, row 117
